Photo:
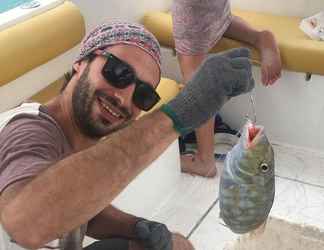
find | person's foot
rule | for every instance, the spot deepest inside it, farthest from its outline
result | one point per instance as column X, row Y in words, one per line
column 270, row 58
column 193, row 164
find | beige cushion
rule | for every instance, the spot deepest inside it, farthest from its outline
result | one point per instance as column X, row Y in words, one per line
column 39, row 39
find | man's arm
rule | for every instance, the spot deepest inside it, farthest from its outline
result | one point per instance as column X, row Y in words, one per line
column 78, row 187
column 111, row 222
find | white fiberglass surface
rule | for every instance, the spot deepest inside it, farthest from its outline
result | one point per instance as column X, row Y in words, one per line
column 15, row 11
column 6, row 5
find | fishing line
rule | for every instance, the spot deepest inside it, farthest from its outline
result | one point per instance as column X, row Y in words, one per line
column 253, row 97
column 253, row 106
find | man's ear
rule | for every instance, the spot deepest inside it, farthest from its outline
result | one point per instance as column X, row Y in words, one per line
column 77, row 66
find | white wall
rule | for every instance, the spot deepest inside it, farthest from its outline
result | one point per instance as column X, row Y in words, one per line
column 98, row 10
column 292, row 110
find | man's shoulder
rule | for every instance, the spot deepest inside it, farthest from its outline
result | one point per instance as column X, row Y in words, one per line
column 34, row 122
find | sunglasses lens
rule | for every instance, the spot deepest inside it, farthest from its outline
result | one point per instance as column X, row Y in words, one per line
column 145, row 97
column 118, row 73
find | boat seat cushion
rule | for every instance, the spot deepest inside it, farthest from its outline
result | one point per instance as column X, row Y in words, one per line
column 39, row 39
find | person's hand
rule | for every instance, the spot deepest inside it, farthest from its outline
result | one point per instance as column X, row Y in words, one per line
column 241, row 65
column 220, row 77
column 181, row 243
column 153, row 235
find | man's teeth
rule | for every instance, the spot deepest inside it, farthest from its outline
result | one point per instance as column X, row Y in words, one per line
column 110, row 110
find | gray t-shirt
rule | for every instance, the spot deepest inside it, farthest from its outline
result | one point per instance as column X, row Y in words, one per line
column 30, row 142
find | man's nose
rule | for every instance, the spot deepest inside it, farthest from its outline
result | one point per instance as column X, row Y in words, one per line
column 125, row 96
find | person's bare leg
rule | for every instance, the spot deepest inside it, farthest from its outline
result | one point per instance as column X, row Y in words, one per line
column 179, row 243
column 264, row 41
column 203, row 162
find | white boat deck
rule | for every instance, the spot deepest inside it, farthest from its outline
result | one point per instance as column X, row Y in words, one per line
column 189, row 204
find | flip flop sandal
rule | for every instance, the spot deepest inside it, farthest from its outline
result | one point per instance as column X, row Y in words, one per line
column 224, row 140
column 223, row 143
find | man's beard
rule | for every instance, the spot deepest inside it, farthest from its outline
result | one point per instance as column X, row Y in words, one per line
column 83, row 99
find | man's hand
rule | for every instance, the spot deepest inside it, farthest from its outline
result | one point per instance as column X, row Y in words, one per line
column 220, row 77
column 153, row 235
column 179, row 242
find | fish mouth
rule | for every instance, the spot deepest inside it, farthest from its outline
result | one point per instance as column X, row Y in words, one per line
column 253, row 132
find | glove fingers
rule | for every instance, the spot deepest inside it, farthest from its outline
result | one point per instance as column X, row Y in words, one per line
column 154, row 235
column 244, row 68
column 239, row 52
column 142, row 230
column 159, row 235
column 243, row 84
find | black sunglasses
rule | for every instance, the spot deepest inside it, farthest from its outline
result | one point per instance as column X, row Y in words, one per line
column 120, row 75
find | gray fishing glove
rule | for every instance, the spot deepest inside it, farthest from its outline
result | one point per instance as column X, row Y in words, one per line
column 153, row 235
column 219, row 77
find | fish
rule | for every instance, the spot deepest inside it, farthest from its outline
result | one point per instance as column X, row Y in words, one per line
column 247, row 182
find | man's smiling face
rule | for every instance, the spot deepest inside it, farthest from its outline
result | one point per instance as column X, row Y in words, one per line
column 100, row 108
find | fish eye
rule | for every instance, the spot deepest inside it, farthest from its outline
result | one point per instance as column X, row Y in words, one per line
column 264, row 167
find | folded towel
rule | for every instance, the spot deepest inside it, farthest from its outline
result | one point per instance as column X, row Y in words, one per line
column 314, row 26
